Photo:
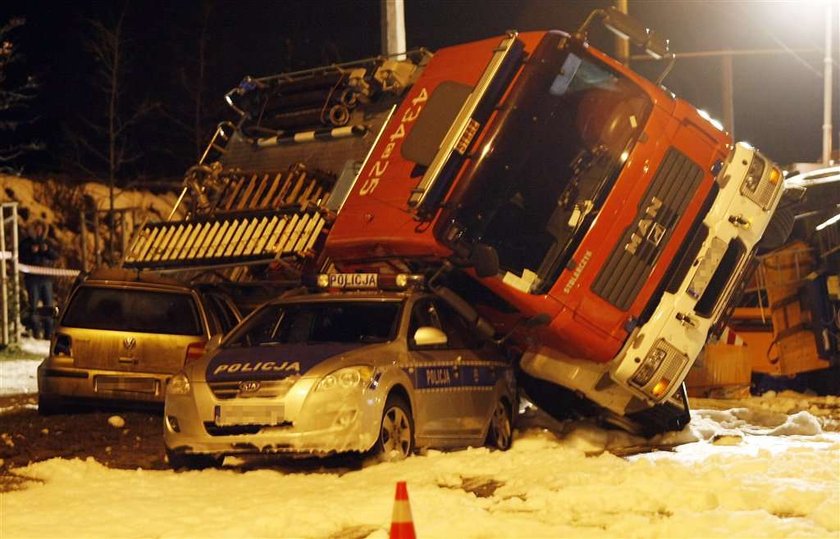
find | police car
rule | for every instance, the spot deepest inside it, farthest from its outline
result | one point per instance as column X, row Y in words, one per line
column 370, row 371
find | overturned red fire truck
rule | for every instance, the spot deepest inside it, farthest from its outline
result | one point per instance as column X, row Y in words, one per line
column 568, row 206
column 583, row 195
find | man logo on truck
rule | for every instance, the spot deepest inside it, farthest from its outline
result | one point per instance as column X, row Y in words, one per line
column 647, row 228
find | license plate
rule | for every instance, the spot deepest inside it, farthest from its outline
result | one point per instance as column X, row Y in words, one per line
column 130, row 385
column 229, row 415
column 706, row 270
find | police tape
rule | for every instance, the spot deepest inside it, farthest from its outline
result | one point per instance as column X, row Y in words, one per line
column 39, row 270
column 53, row 272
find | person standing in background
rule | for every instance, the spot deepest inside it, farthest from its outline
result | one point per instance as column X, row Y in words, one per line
column 36, row 249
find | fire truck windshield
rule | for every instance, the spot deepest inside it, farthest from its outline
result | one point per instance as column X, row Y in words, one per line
column 548, row 160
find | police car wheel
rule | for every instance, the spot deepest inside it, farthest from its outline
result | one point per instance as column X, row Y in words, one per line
column 500, row 431
column 396, row 430
column 182, row 461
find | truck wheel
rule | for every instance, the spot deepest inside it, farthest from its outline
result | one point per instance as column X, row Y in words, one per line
column 396, row 430
column 500, row 430
column 778, row 230
column 183, row 461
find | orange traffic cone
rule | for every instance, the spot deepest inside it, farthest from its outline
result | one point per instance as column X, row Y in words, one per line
column 402, row 526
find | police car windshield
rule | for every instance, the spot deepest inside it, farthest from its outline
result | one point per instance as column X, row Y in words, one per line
column 319, row 322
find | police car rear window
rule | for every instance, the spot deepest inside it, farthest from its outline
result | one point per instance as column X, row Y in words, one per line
column 327, row 322
column 139, row 311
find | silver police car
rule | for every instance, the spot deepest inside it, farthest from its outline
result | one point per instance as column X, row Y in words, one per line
column 377, row 372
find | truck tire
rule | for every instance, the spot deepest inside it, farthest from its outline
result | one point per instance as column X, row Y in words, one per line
column 778, row 230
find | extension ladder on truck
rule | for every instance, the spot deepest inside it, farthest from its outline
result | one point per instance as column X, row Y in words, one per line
column 246, row 218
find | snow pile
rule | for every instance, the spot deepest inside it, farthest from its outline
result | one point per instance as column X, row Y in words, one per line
column 42, row 200
column 116, row 421
column 757, row 467
column 764, row 485
column 158, row 205
column 58, row 204
column 791, row 401
column 19, row 376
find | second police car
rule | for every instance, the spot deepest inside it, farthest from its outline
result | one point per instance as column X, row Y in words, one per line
column 349, row 371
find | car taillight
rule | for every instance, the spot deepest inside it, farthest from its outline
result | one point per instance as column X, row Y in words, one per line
column 194, row 351
column 63, row 345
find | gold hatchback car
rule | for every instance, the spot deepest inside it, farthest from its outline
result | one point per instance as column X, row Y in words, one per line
column 121, row 335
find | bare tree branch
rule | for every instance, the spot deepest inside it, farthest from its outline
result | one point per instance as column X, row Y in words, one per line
column 10, row 153
column 15, row 97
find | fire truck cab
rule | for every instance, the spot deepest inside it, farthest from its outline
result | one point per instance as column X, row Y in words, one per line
column 576, row 191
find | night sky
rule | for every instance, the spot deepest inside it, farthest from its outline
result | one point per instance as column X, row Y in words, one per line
column 778, row 98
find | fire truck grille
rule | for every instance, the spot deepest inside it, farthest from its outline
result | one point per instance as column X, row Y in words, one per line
column 629, row 265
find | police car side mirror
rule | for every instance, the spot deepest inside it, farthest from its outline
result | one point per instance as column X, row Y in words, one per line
column 428, row 336
column 213, row 343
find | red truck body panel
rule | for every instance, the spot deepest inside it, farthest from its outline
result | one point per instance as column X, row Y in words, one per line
column 375, row 223
column 376, row 226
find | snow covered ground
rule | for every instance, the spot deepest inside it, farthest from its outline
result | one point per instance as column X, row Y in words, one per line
column 760, row 467
column 19, row 375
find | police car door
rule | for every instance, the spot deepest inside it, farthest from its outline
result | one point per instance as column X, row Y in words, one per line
column 447, row 405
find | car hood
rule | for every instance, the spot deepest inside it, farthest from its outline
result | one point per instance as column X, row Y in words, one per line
column 271, row 362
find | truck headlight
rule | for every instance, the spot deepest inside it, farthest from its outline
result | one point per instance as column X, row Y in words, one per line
column 649, row 366
column 761, row 182
column 346, row 378
column 754, row 174
column 660, row 370
column 178, row 385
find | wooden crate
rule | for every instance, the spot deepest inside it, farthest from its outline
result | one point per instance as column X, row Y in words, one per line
column 721, row 371
column 794, row 348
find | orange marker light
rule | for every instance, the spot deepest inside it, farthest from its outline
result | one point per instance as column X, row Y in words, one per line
column 775, row 175
column 660, row 387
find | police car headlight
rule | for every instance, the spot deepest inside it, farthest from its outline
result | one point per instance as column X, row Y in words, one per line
column 347, row 378
column 178, row 385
